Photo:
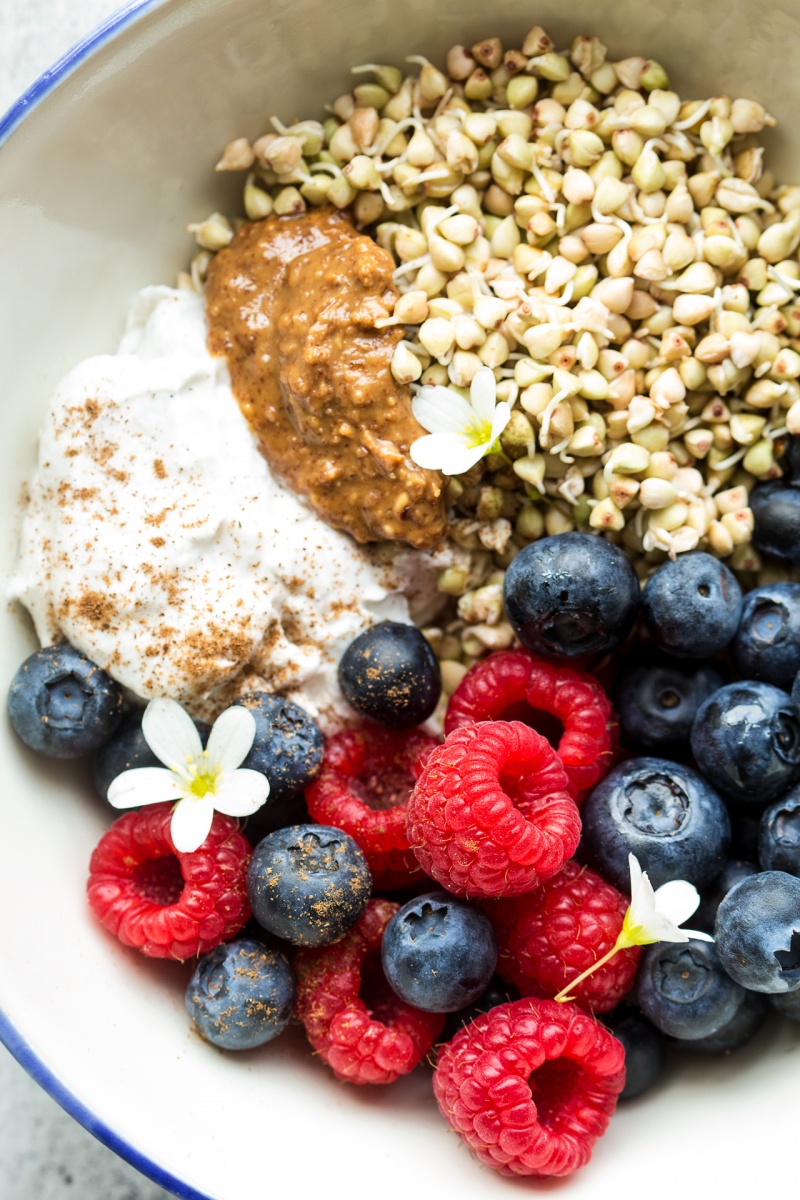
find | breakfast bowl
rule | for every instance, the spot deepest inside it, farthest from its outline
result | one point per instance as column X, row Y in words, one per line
column 102, row 166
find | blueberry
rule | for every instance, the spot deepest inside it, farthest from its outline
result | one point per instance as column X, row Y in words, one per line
column 390, row 674
column 682, row 988
column 439, row 953
column 745, row 829
column 665, row 814
column 273, row 815
column 779, row 836
column 126, row 750
column 571, row 595
column 692, row 606
column 657, row 703
column 757, row 932
column 497, row 992
column 644, row 1051
column 731, row 874
column 767, row 642
column 241, row 995
column 308, row 884
column 288, row 746
column 786, row 1003
column 746, row 741
column 742, row 1027
column 63, row 705
column 790, row 459
column 776, row 516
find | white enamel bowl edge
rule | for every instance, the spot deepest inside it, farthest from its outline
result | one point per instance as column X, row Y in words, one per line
column 96, row 185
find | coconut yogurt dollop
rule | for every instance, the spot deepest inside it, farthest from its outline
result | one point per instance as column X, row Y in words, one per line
column 157, row 541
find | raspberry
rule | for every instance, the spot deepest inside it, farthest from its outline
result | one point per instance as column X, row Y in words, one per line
column 366, row 778
column 167, row 904
column 531, row 1086
column 491, row 814
column 509, row 684
column 353, row 1019
column 548, row 937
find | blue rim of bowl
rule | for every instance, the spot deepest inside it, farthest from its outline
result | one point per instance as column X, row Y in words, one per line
column 36, row 1068
column 9, row 1034
column 65, row 65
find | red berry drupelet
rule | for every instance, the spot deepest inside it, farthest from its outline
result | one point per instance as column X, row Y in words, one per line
column 549, row 936
column 531, row 1086
column 510, row 683
column 167, row 904
column 366, row 778
column 353, row 1019
column 491, row 814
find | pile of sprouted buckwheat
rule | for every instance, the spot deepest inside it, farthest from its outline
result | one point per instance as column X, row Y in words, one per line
column 621, row 259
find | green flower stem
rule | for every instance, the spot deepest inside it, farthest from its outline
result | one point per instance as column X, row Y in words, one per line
column 497, row 449
column 623, row 942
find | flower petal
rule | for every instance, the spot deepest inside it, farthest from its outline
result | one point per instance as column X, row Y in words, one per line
column 231, row 738
column 660, row 929
column 171, row 733
column 502, row 415
column 698, row 935
column 677, row 900
column 635, row 868
column 143, row 785
column 483, row 394
column 446, row 452
column 191, row 822
column 441, row 410
column 642, row 896
column 241, row 793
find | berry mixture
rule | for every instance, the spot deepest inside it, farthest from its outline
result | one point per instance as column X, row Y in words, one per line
column 552, row 974
column 481, row 863
column 597, row 980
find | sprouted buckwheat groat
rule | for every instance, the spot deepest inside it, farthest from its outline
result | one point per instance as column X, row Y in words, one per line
column 619, row 257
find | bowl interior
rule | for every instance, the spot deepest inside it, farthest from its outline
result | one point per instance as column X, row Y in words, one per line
column 96, row 186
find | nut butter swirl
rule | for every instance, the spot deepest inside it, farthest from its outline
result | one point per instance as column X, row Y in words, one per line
column 292, row 304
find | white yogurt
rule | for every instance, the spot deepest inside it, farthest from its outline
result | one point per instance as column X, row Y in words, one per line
column 157, row 541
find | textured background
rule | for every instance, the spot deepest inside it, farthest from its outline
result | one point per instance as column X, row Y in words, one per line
column 44, row 1154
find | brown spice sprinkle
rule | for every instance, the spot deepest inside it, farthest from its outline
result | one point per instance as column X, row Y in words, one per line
column 96, row 609
column 292, row 304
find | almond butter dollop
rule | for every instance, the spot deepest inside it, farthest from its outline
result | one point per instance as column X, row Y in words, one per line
column 292, row 304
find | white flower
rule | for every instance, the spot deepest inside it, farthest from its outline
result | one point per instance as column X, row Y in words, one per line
column 199, row 780
column 656, row 916
column 460, row 431
column 650, row 917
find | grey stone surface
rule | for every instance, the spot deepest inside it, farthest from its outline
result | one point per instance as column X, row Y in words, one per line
column 44, row 1154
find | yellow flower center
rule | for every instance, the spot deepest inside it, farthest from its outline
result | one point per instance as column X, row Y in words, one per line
column 202, row 785
column 633, row 935
column 477, row 433
column 203, row 777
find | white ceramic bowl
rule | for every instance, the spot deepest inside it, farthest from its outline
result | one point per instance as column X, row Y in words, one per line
column 104, row 162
